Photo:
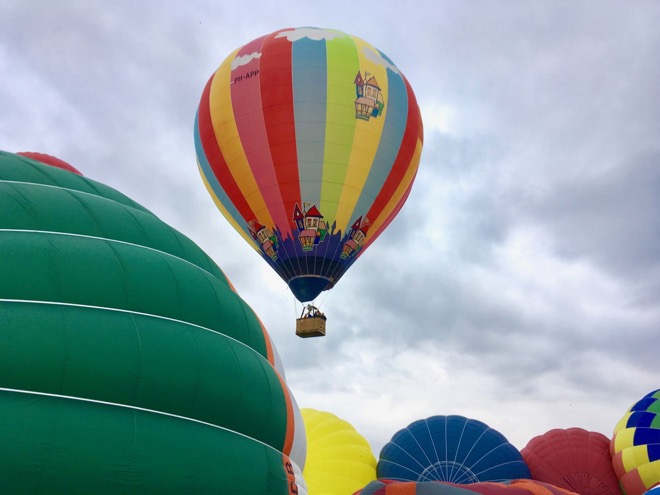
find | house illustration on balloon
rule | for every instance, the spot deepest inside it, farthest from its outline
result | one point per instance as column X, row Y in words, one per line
column 308, row 220
column 356, row 237
column 369, row 98
column 265, row 237
column 312, row 230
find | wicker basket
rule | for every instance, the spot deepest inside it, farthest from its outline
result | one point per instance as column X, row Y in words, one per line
column 313, row 326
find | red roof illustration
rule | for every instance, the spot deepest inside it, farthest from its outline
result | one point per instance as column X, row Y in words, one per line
column 297, row 213
column 366, row 223
column 313, row 212
column 254, row 226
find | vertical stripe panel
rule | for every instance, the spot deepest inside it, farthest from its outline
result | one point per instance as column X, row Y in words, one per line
column 237, row 178
column 254, row 168
column 309, row 93
column 282, row 190
column 366, row 140
column 215, row 172
column 222, row 203
column 396, row 118
column 343, row 64
column 398, row 198
column 393, row 191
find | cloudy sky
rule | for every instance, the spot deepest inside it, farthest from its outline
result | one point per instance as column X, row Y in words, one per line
column 520, row 283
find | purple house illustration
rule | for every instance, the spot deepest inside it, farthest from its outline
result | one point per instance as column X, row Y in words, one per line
column 312, row 229
column 357, row 236
column 265, row 237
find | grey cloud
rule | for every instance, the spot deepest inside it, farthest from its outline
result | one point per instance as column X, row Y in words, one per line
column 610, row 219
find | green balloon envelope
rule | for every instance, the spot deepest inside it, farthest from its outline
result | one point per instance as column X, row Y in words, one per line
column 58, row 445
column 128, row 363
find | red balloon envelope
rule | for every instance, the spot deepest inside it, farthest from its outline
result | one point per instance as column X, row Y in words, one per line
column 49, row 160
column 575, row 459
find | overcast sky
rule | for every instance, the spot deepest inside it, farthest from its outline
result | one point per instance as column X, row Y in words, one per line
column 520, row 283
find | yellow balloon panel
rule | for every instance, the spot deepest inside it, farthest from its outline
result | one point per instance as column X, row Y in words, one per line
column 339, row 460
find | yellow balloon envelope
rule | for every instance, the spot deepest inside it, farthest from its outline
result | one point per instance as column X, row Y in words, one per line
column 339, row 460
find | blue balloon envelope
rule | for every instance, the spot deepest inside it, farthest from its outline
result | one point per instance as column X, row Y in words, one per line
column 450, row 448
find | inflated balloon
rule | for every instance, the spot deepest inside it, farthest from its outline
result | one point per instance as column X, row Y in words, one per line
column 128, row 364
column 309, row 141
column 450, row 448
column 654, row 491
column 339, row 459
column 575, row 459
column 635, row 446
column 510, row 487
column 390, row 487
column 50, row 160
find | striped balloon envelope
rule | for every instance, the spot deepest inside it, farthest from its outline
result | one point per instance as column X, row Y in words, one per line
column 635, row 446
column 508, row 487
column 308, row 140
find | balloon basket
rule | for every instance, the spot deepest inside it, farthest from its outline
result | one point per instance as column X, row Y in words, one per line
column 310, row 326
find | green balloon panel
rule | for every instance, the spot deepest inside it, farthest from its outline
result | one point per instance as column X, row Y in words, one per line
column 45, row 266
column 142, row 361
column 20, row 169
column 128, row 363
column 59, row 445
column 45, row 208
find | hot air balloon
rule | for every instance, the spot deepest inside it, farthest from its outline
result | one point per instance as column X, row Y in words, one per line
column 339, row 459
column 635, row 446
column 512, row 487
column 450, row 448
column 575, row 459
column 50, row 160
column 308, row 140
column 128, row 363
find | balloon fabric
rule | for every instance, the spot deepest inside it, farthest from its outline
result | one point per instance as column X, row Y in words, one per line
column 339, row 459
column 635, row 445
column 573, row 458
column 50, row 160
column 450, row 448
column 308, row 140
column 128, row 363
column 509, row 487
